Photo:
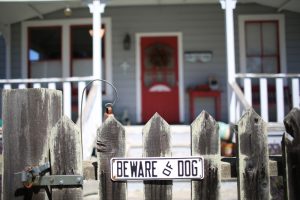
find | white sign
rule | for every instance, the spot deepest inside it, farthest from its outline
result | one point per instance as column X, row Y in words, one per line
column 157, row 168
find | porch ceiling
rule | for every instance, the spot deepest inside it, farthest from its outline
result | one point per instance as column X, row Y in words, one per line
column 12, row 11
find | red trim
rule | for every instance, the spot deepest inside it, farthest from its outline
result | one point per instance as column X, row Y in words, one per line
column 262, row 55
column 215, row 94
column 71, row 44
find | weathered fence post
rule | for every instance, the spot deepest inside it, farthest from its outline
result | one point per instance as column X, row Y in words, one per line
column 291, row 155
column 253, row 158
column 156, row 142
column 28, row 117
column 110, row 143
column 206, row 142
column 66, row 156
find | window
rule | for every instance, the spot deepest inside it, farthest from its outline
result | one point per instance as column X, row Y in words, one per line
column 82, row 52
column 262, row 44
column 262, row 53
column 44, row 52
column 63, row 48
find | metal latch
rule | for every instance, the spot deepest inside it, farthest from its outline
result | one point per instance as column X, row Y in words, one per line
column 35, row 176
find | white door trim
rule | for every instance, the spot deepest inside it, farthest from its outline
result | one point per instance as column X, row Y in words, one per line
column 138, row 72
column 282, row 44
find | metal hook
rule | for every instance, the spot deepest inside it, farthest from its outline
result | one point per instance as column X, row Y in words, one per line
column 106, row 105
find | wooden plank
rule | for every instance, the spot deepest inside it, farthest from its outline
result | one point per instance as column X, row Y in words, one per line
column 28, row 117
column 36, row 85
column 7, row 86
column 291, row 154
column 156, row 142
column 264, row 109
column 238, row 110
column 248, row 90
column 81, row 86
column 279, row 99
column 287, row 166
column 22, row 86
column 67, row 98
column 52, row 86
column 206, row 142
column 229, row 168
column 295, row 92
column 110, row 143
column 253, row 158
column 66, row 156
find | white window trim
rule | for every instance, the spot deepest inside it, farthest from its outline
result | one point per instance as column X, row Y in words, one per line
column 138, row 73
column 282, row 44
column 66, row 25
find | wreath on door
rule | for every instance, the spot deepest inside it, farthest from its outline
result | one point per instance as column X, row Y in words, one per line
column 159, row 55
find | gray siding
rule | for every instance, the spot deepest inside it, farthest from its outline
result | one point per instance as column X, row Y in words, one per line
column 293, row 42
column 16, row 50
column 2, row 57
column 202, row 28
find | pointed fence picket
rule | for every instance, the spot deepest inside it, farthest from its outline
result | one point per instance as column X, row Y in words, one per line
column 156, row 141
column 66, row 156
column 206, row 142
column 110, row 143
column 291, row 155
column 253, row 158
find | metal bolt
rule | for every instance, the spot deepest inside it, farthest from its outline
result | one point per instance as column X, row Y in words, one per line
column 61, row 182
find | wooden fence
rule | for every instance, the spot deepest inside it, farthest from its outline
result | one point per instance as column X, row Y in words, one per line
column 34, row 132
column 259, row 176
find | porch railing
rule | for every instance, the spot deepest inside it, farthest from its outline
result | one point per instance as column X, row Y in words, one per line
column 271, row 95
column 72, row 88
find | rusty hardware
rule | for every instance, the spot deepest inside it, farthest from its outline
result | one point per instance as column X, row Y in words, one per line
column 35, row 176
column 108, row 110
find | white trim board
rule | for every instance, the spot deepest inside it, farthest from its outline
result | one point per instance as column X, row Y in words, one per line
column 282, row 40
column 66, row 24
column 180, row 72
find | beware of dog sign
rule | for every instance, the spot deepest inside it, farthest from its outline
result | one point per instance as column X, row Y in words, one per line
column 157, row 168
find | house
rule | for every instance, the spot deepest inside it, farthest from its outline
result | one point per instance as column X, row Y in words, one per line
column 156, row 53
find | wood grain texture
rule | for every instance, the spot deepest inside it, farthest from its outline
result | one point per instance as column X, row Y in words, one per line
column 206, row 142
column 156, row 143
column 291, row 154
column 110, row 143
column 28, row 117
column 253, row 158
column 66, row 156
column 287, row 166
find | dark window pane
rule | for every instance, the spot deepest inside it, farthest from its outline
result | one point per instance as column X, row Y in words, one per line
column 82, row 42
column 44, row 43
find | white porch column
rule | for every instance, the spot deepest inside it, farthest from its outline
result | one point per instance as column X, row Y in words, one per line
column 92, row 115
column 96, row 8
column 229, row 5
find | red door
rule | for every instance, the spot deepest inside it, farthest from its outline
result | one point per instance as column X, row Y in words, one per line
column 159, row 76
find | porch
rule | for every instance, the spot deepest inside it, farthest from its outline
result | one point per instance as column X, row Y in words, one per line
column 271, row 95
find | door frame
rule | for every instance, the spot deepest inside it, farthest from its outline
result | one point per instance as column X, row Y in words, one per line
column 138, row 72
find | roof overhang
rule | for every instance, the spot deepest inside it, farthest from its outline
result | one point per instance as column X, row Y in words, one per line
column 12, row 11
